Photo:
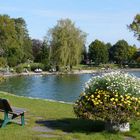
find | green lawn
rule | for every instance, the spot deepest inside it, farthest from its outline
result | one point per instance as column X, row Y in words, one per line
column 60, row 118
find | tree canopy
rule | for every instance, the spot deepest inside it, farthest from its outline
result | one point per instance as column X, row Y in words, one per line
column 66, row 43
column 98, row 52
column 122, row 52
column 15, row 44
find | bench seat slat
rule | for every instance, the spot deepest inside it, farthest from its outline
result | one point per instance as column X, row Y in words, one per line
column 17, row 111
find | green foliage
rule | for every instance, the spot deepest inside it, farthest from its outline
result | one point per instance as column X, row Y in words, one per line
column 34, row 66
column 3, row 62
column 45, row 53
column 122, row 53
column 108, row 65
column 36, row 49
column 98, row 52
column 15, row 44
column 135, row 26
column 19, row 69
column 9, row 41
column 108, row 45
column 84, row 55
column 66, row 43
column 112, row 97
column 12, row 61
column 41, row 52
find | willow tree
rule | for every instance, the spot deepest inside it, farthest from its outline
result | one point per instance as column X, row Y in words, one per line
column 66, row 43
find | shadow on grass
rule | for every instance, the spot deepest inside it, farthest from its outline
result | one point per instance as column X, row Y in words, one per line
column 74, row 125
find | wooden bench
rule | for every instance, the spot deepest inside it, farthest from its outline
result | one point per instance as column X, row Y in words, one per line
column 10, row 112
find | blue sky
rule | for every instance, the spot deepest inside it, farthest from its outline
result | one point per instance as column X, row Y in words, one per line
column 105, row 20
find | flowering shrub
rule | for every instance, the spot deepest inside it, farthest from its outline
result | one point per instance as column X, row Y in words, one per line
column 112, row 97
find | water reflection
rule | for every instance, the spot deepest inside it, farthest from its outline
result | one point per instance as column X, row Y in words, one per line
column 57, row 87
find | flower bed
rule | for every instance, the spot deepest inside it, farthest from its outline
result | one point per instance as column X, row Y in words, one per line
column 112, row 97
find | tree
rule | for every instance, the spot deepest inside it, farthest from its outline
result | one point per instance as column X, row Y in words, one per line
column 84, row 55
column 66, row 43
column 108, row 45
column 98, row 52
column 36, row 49
column 15, row 43
column 122, row 52
column 40, row 51
column 135, row 26
column 137, row 56
column 23, row 38
column 45, row 53
column 132, row 50
column 9, row 43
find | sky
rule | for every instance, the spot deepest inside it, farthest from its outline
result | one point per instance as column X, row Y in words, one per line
column 105, row 20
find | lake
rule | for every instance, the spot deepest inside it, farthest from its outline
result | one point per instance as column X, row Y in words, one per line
column 65, row 88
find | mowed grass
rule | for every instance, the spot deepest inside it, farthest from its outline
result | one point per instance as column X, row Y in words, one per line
column 61, row 120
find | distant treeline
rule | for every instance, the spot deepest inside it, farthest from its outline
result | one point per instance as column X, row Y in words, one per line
column 63, row 45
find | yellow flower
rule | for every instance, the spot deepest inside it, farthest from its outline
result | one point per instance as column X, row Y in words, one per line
column 112, row 99
column 92, row 96
column 128, row 97
column 92, row 100
column 116, row 95
column 98, row 96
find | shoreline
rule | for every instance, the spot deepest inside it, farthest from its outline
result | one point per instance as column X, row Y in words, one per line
column 36, row 98
column 72, row 72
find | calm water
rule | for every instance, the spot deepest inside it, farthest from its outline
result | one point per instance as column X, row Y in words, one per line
column 57, row 87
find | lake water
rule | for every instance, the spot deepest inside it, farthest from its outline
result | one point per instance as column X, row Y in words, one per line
column 56, row 87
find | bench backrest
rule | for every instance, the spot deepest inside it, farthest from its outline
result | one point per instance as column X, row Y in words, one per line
column 4, row 105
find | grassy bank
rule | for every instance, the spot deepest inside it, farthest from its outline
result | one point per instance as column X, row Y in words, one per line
column 60, row 119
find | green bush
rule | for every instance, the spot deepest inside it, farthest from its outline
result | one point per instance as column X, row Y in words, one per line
column 19, row 69
column 112, row 66
column 112, row 97
column 26, row 66
column 3, row 62
column 12, row 61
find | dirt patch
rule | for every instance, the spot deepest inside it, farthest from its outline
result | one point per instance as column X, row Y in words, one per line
column 42, row 129
column 48, row 135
